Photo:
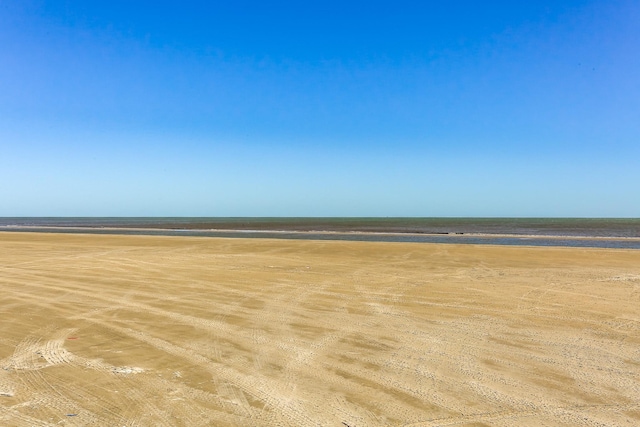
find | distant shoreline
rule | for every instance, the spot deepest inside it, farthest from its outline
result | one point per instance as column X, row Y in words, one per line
column 142, row 230
column 498, row 239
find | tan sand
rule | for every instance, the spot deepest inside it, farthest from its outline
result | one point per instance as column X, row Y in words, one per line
column 171, row 331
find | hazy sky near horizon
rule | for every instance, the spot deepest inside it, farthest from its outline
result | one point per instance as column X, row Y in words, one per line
column 360, row 108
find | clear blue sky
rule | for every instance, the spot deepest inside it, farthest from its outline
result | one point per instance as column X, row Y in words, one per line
column 330, row 108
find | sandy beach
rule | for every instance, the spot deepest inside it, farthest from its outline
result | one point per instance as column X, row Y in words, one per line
column 105, row 330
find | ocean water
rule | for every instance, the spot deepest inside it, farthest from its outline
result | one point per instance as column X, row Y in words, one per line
column 576, row 232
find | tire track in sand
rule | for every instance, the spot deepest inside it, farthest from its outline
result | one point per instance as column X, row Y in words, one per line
column 32, row 356
column 292, row 413
column 572, row 413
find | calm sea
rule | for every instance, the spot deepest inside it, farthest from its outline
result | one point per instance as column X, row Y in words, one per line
column 576, row 232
